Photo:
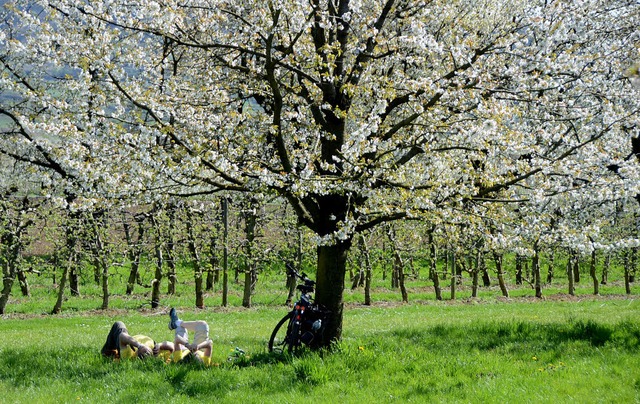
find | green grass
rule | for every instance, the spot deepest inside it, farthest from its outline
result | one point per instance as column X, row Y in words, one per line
column 559, row 349
column 550, row 351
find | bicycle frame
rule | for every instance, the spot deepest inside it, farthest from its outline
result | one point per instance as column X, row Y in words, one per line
column 305, row 322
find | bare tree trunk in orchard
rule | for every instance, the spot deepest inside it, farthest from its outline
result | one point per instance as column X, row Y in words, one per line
column 500, row 273
column 592, row 272
column 395, row 276
column 475, row 272
column 627, row 273
column 100, row 259
column 291, row 283
column 364, row 250
column 9, row 261
column 195, row 256
column 605, row 269
column 433, row 263
column 519, row 269
column 250, row 274
column 94, row 260
column 214, row 263
column 357, row 278
column 454, row 278
column 225, row 251
column 398, row 264
column 157, row 279
column 7, row 284
column 550, row 263
column 459, row 269
column 399, row 268
column 433, row 253
column 570, row 276
column 535, row 268
column 576, row 268
column 11, row 246
column 57, row 307
column 299, row 255
column 155, row 283
column 634, row 265
column 74, row 281
column 486, row 279
column 23, row 282
column 291, row 265
column 447, row 262
column 71, row 238
column 171, row 250
column 134, row 251
column 384, row 261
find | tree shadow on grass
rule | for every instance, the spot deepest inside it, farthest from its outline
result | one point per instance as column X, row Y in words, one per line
column 524, row 336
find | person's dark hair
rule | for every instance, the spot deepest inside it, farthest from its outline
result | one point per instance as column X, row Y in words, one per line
column 111, row 347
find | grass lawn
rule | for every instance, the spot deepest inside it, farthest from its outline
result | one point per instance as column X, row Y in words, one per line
column 583, row 350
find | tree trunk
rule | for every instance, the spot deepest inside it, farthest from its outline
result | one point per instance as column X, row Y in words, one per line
column 535, row 268
column 634, row 265
column 499, row 270
column 74, row 280
column 214, row 263
column 486, row 279
column 475, row 273
column 627, row 273
column 8, row 275
column 225, row 251
column 291, row 283
column 101, row 262
column 570, row 276
column 519, row 269
column 592, row 272
column 57, row 308
column 250, row 275
column 135, row 252
column 452, row 260
column 195, row 256
column 576, row 269
column 331, row 267
column 24, row 283
column 550, row 264
column 605, row 269
column 71, row 239
column 401, row 278
column 433, row 269
column 246, row 294
column 171, row 250
column 364, row 250
column 398, row 265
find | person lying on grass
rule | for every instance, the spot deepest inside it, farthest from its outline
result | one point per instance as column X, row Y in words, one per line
column 201, row 348
column 121, row 345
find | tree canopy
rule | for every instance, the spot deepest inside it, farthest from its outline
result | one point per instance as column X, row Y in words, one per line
column 356, row 112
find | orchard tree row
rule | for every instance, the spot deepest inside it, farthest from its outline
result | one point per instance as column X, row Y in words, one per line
column 149, row 247
column 510, row 123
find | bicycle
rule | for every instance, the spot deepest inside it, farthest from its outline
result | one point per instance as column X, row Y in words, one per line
column 306, row 322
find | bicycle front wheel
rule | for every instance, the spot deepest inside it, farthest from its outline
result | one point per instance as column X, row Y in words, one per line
column 279, row 341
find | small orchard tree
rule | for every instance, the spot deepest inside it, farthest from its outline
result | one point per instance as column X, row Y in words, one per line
column 356, row 112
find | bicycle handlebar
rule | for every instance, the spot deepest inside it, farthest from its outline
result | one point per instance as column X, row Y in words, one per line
column 302, row 276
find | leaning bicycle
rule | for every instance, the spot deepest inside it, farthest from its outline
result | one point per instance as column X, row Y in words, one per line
column 304, row 325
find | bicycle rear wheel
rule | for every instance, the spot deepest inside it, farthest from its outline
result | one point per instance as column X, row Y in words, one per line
column 279, row 341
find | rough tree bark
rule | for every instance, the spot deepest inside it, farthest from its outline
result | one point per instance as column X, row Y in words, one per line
column 433, row 267
column 500, row 273
column 592, row 272
column 195, row 257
